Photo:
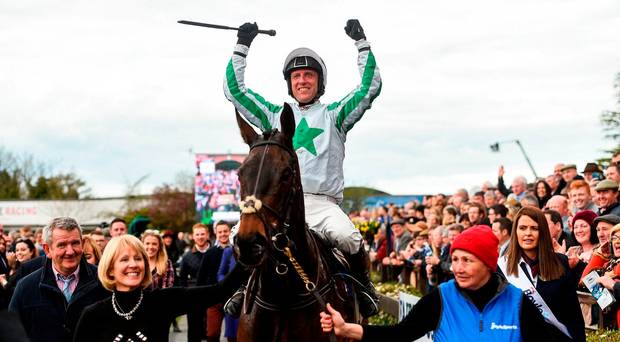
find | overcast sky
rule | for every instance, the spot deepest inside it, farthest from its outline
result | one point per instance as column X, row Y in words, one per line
column 115, row 90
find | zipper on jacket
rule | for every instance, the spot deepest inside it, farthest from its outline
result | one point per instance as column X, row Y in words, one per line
column 481, row 323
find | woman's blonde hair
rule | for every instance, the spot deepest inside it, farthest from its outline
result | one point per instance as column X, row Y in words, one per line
column 161, row 260
column 88, row 240
column 110, row 254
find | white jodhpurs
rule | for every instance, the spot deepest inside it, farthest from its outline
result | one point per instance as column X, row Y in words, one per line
column 325, row 217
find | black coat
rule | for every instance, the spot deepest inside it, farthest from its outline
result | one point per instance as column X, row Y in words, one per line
column 24, row 270
column 44, row 311
column 11, row 328
column 4, row 265
column 207, row 274
column 561, row 297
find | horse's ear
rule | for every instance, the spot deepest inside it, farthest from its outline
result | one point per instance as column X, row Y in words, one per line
column 248, row 133
column 287, row 121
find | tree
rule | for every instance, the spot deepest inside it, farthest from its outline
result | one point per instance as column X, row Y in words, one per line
column 168, row 208
column 610, row 120
column 23, row 177
column 9, row 175
column 172, row 208
column 354, row 197
column 9, row 185
column 61, row 186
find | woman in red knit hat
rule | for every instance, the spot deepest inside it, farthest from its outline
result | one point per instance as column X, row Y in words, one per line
column 477, row 304
column 584, row 232
column 545, row 276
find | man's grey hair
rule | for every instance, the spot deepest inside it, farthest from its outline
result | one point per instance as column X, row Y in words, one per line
column 531, row 200
column 520, row 179
column 64, row 223
column 443, row 230
column 561, row 198
column 490, row 194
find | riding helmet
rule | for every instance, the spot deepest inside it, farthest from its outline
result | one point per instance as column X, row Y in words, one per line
column 304, row 58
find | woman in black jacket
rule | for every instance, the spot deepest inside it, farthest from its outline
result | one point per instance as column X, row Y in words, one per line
column 135, row 311
column 531, row 262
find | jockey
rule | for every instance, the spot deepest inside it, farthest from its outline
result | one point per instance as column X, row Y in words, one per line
column 320, row 134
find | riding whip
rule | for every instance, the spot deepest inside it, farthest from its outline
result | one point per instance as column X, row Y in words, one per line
column 222, row 27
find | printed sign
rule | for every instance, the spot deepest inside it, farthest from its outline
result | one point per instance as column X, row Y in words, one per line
column 406, row 301
column 603, row 297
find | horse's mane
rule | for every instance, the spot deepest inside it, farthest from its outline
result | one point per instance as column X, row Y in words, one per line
column 269, row 133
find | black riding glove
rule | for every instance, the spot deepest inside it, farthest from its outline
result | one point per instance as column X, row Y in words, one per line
column 246, row 34
column 354, row 30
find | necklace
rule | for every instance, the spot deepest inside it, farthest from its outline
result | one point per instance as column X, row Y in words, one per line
column 117, row 307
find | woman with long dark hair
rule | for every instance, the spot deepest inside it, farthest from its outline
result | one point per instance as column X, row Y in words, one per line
column 545, row 276
column 543, row 192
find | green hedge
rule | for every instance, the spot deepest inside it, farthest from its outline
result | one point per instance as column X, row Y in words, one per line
column 391, row 289
column 604, row 335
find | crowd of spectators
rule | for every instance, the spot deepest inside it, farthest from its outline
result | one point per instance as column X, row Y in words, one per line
column 411, row 243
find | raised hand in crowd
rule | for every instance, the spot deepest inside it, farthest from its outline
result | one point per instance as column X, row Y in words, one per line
column 559, row 248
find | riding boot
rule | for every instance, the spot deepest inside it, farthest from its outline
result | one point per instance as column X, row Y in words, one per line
column 360, row 269
column 234, row 305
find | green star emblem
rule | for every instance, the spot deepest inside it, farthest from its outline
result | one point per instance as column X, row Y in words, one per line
column 304, row 136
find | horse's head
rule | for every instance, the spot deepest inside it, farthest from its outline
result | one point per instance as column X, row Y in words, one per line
column 270, row 190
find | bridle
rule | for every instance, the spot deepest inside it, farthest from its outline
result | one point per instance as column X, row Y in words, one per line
column 253, row 205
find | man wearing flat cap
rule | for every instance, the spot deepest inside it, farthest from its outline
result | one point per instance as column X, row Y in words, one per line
column 607, row 193
column 603, row 227
column 569, row 173
column 602, row 253
column 400, row 242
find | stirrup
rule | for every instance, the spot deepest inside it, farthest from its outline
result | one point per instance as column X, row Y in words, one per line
column 369, row 306
column 234, row 304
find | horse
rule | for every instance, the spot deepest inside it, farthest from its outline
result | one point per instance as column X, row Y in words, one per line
column 291, row 281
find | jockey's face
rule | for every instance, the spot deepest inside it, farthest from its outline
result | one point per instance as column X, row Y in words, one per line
column 304, row 84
